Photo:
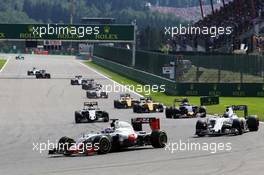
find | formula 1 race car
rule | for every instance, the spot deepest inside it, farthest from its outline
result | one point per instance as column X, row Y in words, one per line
column 34, row 71
column 78, row 80
column 97, row 93
column 42, row 75
column 115, row 138
column 229, row 123
column 146, row 105
column 20, row 57
column 184, row 110
column 90, row 113
column 91, row 85
column 125, row 101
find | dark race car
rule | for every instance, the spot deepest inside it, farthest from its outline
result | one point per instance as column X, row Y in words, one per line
column 90, row 113
column 184, row 110
column 97, row 93
column 125, row 101
column 20, row 57
column 115, row 138
column 91, row 85
column 42, row 74
column 228, row 123
column 146, row 105
column 32, row 72
column 79, row 80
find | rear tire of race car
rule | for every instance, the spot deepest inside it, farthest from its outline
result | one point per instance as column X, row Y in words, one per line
column 135, row 109
column 237, row 125
column 105, row 117
column 253, row 123
column 37, row 76
column 202, row 112
column 104, row 144
column 48, row 76
column 158, row 139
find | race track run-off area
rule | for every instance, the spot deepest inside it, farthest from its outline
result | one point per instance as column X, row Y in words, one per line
column 41, row 111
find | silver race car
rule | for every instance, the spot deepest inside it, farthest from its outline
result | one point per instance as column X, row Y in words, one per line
column 228, row 123
column 120, row 135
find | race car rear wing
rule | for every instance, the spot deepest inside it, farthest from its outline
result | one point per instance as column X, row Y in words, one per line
column 180, row 100
column 241, row 108
column 153, row 122
column 124, row 95
column 94, row 103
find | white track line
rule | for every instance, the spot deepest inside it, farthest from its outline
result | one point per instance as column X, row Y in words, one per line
column 4, row 65
column 81, row 63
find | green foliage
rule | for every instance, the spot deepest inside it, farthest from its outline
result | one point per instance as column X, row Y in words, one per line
column 2, row 63
column 125, row 11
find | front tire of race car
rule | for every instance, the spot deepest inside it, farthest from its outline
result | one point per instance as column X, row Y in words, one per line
column 77, row 117
column 201, row 127
column 253, row 123
column 168, row 113
column 64, row 144
column 48, row 76
column 103, row 145
column 158, row 139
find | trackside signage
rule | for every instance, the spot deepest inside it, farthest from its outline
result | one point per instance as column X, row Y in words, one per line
column 93, row 33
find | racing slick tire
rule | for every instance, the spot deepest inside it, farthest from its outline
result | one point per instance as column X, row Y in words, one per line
column 105, row 117
column 253, row 123
column 103, row 143
column 38, row 76
column 237, row 124
column 201, row 127
column 78, row 117
column 90, row 94
column 202, row 112
column 169, row 112
column 117, row 104
column 65, row 143
column 104, row 95
column 136, row 109
column 29, row 73
column 48, row 76
column 158, row 139
column 158, row 108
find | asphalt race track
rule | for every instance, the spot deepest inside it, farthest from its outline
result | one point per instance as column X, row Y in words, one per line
column 35, row 111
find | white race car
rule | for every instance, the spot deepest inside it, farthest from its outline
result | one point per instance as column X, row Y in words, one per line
column 97, row 93
column 228, row 123
column 91, row 113
column 79, row 80
column 120, row 135
column 34, row 71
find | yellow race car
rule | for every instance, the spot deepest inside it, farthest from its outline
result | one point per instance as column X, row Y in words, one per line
column 146, row 105
column 125, row 101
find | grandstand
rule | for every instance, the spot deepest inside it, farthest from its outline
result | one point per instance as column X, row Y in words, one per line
column 246, row 17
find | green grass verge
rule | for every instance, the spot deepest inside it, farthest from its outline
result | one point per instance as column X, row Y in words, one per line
column 255, row 104
column 2, row 63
